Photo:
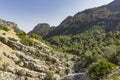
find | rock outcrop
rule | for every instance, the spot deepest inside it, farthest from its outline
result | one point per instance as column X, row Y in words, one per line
column 77, row 76
column 10, row 25
column 36, row 62
column 41, row 29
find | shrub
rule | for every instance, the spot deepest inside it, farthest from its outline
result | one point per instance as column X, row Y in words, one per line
column 0, row 58
column 21, row 72
column 115, row 78
column 21, row 34
column 50, row 76
column 35, row 36
column 100, row 69
column 1, row 78
column 4, row 66
column 4, row 28
column 67, row 71
column 26, row 41
column 13, row 39
column 18, row 62
column 4, row 33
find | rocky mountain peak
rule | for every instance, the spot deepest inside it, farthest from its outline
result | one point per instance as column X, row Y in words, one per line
column 9, row 24
column 41, row 29
column 42, row 25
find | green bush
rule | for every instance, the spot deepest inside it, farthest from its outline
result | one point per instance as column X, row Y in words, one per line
column 4, row 33
column 18, row 62
column 0, row 58
column 21, row 34
column 115, row 78
column 101, row 69
column 50, row 76
column 4, row 28
column 25, row 39
column 21, row 72
column 4, row 66
column 13, row 39
column 35, row 36
column 67, row 71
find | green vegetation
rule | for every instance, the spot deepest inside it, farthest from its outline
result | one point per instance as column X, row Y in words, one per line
column 4, row 66
column 101, row 69
column 18, row 62
column 89, row 46
column 0, row 58
column 21, row 72
column 50, row 76
column 4, row 28
column 35, row 36
column 25, row 39
column 13, row 39
column 1, row 78
column 115, row 78
column 4, row 33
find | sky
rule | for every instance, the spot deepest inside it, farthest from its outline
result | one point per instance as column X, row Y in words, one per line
column 28, row 13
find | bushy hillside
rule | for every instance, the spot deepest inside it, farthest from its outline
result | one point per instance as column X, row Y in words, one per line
column 90, row 36
column 89, row 46
column 24, row 57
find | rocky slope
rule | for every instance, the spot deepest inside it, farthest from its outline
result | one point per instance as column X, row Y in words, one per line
column 106, row 17
column 38, row 61
column 41, row 29
column 10, row 25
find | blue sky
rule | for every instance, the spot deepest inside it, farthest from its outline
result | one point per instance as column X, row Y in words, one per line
column 28, row 13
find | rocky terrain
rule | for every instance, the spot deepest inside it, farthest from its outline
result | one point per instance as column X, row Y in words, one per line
column 9, row 24
column 19, row 61
column 42, row 29
column 90, row 40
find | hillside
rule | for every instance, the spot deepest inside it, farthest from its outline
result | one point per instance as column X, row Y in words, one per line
column 25, row 57
column 90, row 36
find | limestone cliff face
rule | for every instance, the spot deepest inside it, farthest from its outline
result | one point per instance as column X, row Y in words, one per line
column 41, row 29
column 9, row 24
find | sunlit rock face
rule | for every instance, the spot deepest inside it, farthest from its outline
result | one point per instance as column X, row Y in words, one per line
column 9, row 24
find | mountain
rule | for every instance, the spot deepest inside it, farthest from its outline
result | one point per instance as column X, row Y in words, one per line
column 92, row 40
column 84, row 20
column 10, row 25
column 41, row 29
column 87, row 44
column 24, row 57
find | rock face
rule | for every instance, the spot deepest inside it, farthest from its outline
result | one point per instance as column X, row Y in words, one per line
column 115, row 5
column 77, row 76
column 36, row 62
column 10, row 24
column 41, row 29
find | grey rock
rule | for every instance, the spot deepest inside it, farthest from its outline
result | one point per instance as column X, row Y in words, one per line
column 41, row 29
column 76, row 76
column 32, row 63
column 10, row 24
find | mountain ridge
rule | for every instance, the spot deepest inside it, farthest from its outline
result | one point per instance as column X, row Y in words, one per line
column 76, row 24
